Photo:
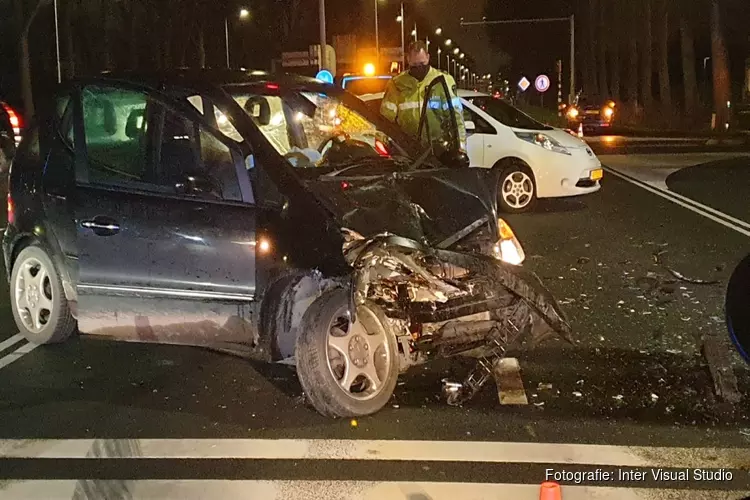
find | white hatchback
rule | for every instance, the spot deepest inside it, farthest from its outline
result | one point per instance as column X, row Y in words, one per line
column 534, row 160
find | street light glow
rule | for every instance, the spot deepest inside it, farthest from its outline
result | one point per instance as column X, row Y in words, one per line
column 439, row 31
column 462, row 55
column 399, row 19
column 456, row 51
column 413, row 32
column 448, row 42
column 244, row 13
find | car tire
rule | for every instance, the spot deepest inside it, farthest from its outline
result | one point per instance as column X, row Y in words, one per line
column 38, row 302
column 321, row 377
column 516, row 188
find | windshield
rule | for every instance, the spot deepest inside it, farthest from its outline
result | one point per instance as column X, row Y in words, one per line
column 365, row 85
column 316, row 130
column 506, row 114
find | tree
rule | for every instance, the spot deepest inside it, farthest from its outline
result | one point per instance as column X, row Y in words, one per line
column 632, row 37
column 592, row 82
column 662, row 33
column 25, row 55
column 687, row 49
column 720, row 67
column 601, row 46
column 645, row 48
column 615, row 36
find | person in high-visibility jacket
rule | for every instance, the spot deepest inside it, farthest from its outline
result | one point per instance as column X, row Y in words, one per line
column 405, row 95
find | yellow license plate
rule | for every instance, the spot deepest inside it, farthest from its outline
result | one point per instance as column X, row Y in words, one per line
column 596, row 174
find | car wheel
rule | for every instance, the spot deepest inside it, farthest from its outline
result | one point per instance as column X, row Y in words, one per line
column 39, row 306
column 516, row 188
column 346, row 369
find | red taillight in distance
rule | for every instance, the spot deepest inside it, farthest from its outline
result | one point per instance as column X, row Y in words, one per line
column 381, row 149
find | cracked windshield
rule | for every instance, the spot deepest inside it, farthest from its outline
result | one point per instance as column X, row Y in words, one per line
column 375, row 249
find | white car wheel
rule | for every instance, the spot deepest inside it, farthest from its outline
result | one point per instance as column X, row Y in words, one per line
column 516, row 189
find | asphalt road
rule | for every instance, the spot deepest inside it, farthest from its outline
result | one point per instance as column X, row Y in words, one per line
column 635, row 391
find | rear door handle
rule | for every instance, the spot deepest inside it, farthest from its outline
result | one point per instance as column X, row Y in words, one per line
column 102, row 226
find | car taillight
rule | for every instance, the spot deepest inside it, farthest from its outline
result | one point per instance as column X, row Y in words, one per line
column 15, row 122
column 11, row 211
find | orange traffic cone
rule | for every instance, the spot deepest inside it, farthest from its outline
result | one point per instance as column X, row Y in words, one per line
column 550, row 491
column 580, row 130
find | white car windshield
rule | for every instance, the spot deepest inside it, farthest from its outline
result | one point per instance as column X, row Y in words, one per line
column 506, row 114
column 316, row 130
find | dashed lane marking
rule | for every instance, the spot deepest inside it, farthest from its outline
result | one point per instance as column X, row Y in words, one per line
column 15, row 339
column 17, row 354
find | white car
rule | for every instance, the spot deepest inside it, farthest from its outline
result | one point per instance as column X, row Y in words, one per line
column 535, row 161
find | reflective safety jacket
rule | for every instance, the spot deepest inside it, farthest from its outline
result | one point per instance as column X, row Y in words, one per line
column 403, row 100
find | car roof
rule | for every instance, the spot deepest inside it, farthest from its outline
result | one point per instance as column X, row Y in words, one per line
column 198, row 79
column 461, row 93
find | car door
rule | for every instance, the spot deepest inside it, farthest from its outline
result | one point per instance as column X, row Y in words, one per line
column 438, row 127
column 475, row 138
column 165, row 223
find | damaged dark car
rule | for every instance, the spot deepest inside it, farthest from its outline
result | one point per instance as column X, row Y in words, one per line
column 273, row 217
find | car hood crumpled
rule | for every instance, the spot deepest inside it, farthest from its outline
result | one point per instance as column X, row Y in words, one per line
column 430, row 206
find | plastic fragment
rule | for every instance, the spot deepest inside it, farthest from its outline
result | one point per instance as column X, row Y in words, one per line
column 577, row 394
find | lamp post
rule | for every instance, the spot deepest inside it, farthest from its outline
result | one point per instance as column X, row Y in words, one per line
column 322, row 26
column 400, row 19
column 57, row 45
column 244, row 14
column 377, row 37
column 439, row 51
column 414, row 32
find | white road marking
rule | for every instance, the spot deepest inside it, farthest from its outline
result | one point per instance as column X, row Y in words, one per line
column 15, row 339
column 17, row 354
column 355, row 449
column 510, row 388
column 688, row 203
column 338, row 490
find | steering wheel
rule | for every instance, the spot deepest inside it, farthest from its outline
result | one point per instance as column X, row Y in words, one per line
column 298, row 159
column 326, row 144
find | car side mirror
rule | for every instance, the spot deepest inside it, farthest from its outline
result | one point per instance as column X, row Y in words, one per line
column 470, row 126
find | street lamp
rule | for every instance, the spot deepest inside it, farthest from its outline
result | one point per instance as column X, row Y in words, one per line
column 439, row 31
column 456, row 51
column 400, row 19
column 462, row 55
column 243, row 14
column 377, row 36
column 448, row 42
column 414, row 32
column 439, row 51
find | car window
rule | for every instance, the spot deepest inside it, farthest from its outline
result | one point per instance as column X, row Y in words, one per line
column 481, row 125
column 194, row 162
column 222, row 122
column 506, row 114
column 302, row 127
column 115, row 133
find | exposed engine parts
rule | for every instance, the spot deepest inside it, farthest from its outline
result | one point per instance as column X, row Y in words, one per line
column 448, row 303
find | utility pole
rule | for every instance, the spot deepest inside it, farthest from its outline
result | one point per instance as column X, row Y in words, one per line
column 403, row 47
column 377, row 38
column 570, row 19
column 322, row 24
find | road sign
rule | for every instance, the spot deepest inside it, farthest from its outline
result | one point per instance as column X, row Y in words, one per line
column 523, row 84
column 324, row 76
column 542, row 83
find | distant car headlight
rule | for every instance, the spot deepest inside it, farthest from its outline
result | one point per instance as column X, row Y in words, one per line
column 572, row 113
column 543, row 140
column 508, row 248
column 608, row 112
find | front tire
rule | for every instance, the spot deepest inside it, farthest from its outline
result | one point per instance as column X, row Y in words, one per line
column 39, row 306
column 516, row 188
column 346, row 369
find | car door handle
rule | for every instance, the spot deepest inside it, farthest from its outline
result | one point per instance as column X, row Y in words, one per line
column 102, row 226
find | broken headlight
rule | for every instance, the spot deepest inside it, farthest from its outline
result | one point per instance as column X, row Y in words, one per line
column 508, row 248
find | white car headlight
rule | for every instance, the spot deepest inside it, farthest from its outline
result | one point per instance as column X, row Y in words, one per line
column 508, row 248
column 543, row 140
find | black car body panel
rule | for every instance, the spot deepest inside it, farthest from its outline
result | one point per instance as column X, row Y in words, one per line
column 175, row 255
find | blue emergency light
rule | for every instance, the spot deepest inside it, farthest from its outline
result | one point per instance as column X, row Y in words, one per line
column 324, row 76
